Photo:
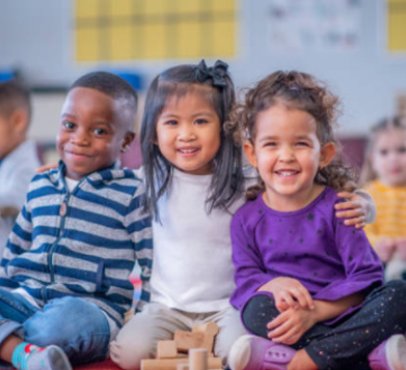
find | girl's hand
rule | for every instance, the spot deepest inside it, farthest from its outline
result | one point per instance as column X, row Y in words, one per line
column 46, row 167
column 290, row 325
column 354, row 209
column 288, row 293
column 401, row 248
column 385, row 248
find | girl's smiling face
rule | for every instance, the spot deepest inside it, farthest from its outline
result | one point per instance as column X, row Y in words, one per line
column 188, row 133
column 287, row 153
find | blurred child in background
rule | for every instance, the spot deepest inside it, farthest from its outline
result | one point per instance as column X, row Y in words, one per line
column 18, row 155
column 384, row 175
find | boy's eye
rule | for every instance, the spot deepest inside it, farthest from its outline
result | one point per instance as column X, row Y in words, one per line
column 100, row 131
column 68, row 125
column 383, row 152
column 270, row 143
column 402, row 149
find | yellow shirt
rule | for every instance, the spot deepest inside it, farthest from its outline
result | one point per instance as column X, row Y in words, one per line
column 390, row 202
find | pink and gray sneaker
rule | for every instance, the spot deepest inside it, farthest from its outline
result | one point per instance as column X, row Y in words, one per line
column 389, row 355
column 250, row 352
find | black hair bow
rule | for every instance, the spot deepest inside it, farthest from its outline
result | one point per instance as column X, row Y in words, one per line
column 217, row 73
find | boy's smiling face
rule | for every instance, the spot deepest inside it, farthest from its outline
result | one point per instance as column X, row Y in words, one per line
column 92, row 132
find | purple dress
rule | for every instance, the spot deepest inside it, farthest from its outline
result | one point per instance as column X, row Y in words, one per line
column 311, row 245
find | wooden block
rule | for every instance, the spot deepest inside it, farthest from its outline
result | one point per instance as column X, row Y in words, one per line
column 186, row 340
column 172, row 363
column 198, row 359
column 209, row 330
column 166, row 349
column 182, row 367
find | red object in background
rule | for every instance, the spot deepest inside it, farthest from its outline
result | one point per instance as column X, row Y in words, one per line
column 103, row 365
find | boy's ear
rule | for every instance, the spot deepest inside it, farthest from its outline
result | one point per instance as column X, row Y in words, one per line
column 328, row 152
column 249, row 151
column 128, row 139
column 19, row 120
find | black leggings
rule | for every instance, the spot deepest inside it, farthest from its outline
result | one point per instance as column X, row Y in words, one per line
column 346, row 344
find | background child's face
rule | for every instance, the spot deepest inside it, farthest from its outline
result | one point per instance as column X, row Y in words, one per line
column 286, row 151
column 188, row 133
column 92, row 132
column 389, row 156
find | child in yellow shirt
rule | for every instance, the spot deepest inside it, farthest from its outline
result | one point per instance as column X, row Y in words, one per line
column 384, row 174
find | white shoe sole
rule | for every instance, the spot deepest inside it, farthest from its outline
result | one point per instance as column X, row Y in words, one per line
column 396, row 352
column 240, row 353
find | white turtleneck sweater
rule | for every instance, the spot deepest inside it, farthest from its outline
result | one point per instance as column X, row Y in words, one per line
column 192, row 268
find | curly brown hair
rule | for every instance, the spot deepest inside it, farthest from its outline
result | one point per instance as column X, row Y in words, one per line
column 296, row 90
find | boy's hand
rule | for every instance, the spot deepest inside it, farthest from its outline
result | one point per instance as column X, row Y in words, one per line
column 288, row 293
column 46, row 167
column 289, row 326
column 354, row 209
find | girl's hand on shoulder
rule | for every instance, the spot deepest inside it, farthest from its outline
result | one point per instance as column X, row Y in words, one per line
column 355, row 208
column 401, row 248
column 46, row 167
column 289, row 326
column 288, row 293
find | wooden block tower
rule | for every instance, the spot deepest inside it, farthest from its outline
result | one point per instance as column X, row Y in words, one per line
column 189, row 350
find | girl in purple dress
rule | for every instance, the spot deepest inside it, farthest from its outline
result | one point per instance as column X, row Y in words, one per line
column 309, row 288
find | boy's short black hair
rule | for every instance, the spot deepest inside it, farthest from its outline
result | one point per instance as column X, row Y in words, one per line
column 14, row 95
column 111, row 85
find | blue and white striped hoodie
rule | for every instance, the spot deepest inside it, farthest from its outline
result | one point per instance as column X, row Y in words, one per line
column 82, row 243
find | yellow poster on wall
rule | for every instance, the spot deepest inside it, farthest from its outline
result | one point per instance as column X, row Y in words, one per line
column 396, row 25
column 114, row 30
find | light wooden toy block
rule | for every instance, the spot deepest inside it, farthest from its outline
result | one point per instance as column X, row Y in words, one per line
column 186, row 340
column 173, row 363
column 166, row 349
column 210, row 331
column 198, row 359
column 182, row 367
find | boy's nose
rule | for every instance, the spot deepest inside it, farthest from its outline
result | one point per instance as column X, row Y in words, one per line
column 80, row 137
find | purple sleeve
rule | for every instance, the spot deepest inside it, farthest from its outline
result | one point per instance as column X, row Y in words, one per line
column 250, row 273
column 363, row 268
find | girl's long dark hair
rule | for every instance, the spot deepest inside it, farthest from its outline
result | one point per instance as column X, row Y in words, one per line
column 215, row 85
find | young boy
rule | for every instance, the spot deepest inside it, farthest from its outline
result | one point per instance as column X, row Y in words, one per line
column 77, row 238
column 18, row 155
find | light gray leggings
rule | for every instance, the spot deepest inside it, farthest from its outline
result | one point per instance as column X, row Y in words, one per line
column 138, row 338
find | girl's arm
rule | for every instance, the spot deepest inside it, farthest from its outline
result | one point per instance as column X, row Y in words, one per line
column 358, row 208
column 250, row 273
column 290, row 325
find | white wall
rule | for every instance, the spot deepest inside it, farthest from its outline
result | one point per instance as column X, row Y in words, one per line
column 35, row 36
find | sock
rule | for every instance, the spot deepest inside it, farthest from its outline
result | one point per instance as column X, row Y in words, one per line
column 21, row 353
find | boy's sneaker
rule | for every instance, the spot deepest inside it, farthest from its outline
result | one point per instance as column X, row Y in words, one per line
column 50, row 358
column 389, row 355
column 250, row 352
